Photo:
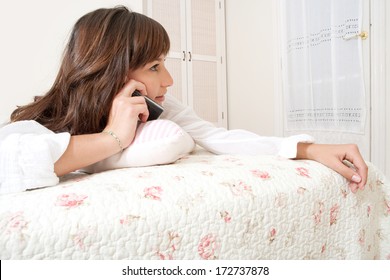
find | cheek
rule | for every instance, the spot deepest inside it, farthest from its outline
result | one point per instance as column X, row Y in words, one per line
column 152, row 91
column 151, row 84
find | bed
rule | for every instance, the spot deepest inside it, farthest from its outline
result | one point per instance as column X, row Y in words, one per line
column 203, row 206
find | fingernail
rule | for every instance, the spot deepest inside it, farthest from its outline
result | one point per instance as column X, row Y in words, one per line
column 356, row 178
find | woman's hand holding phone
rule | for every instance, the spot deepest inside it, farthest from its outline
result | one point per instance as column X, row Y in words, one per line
column 126, row 111
column 155, row 109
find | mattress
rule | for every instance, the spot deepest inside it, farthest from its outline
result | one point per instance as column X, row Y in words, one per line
column 203, row 206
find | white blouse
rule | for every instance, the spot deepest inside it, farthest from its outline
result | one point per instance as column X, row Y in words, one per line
column 223, row 141
column 28, row 150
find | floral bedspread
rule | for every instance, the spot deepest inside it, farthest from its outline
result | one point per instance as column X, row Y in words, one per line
column 201, row 207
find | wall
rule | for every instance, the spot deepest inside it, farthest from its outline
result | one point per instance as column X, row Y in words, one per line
column 250, row 62
column 34, row 34
column 380, row 84
column 387, row 90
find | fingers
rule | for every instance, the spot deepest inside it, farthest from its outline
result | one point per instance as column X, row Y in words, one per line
column 353, row 167
column 360, row 176
column 348, row 172
column 126, row 111
column 127, row 91
column 142, row 107
column 360, row 167
column 344, row 159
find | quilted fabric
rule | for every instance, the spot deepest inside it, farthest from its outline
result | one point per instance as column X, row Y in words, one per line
column 201, row 207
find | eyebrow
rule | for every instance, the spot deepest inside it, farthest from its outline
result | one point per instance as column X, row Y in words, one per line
column 156, row 60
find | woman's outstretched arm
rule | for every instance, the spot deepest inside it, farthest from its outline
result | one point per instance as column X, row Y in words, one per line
column 84, row 150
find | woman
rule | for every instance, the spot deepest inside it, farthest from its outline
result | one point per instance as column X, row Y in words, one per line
column 90, row 108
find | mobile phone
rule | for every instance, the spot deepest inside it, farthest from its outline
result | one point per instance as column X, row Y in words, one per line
column 154, row 108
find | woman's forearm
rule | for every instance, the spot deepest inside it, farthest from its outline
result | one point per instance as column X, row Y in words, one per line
column 84, row 150
column 304, row 151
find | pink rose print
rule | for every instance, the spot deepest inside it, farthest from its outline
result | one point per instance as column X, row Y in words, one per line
column 17, row 222
column 334, row 211
column 302, row 171
column 362, row 237
column 164, row 256
column 127, row 220
column 207, row 247
column 174, row 241
column 272, row 235
column 387, row 205
column 225, row 216
column 281, row 200
column 318, row 212
column 81, row 238
column 261, row 174
column 368, row 211
column 344, row 193
column 14, row 222
column 153, row 192
column 323, row 248
column 238, row 188
column 70, row 200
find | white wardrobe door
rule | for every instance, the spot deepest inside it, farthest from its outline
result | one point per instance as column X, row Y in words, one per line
column 202, row 66
column 203, row 27
column 171, row 15
column 205, row 88
column 168, row 13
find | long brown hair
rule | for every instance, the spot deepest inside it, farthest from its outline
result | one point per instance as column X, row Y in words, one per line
column 103, row 47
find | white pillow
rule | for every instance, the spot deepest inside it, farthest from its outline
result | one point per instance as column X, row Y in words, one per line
column 156, row 142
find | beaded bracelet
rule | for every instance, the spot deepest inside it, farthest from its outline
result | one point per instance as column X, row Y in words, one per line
column 115, row 137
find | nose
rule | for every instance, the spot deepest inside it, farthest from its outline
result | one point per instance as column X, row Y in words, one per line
column 167, row 79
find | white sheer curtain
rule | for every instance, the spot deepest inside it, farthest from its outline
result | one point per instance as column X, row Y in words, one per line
column 322, row 65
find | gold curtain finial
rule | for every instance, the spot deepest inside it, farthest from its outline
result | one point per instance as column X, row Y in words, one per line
column 363, row 35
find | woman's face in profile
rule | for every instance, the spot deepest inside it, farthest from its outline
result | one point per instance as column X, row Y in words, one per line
column 156, row 78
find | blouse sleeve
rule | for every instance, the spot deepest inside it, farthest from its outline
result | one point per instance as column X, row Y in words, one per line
column 222, row 141
column 28, row 152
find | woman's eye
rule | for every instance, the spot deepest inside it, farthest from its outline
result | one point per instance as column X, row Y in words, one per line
column 154, row 67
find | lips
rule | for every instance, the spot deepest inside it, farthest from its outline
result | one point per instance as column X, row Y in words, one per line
column 160, row 98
